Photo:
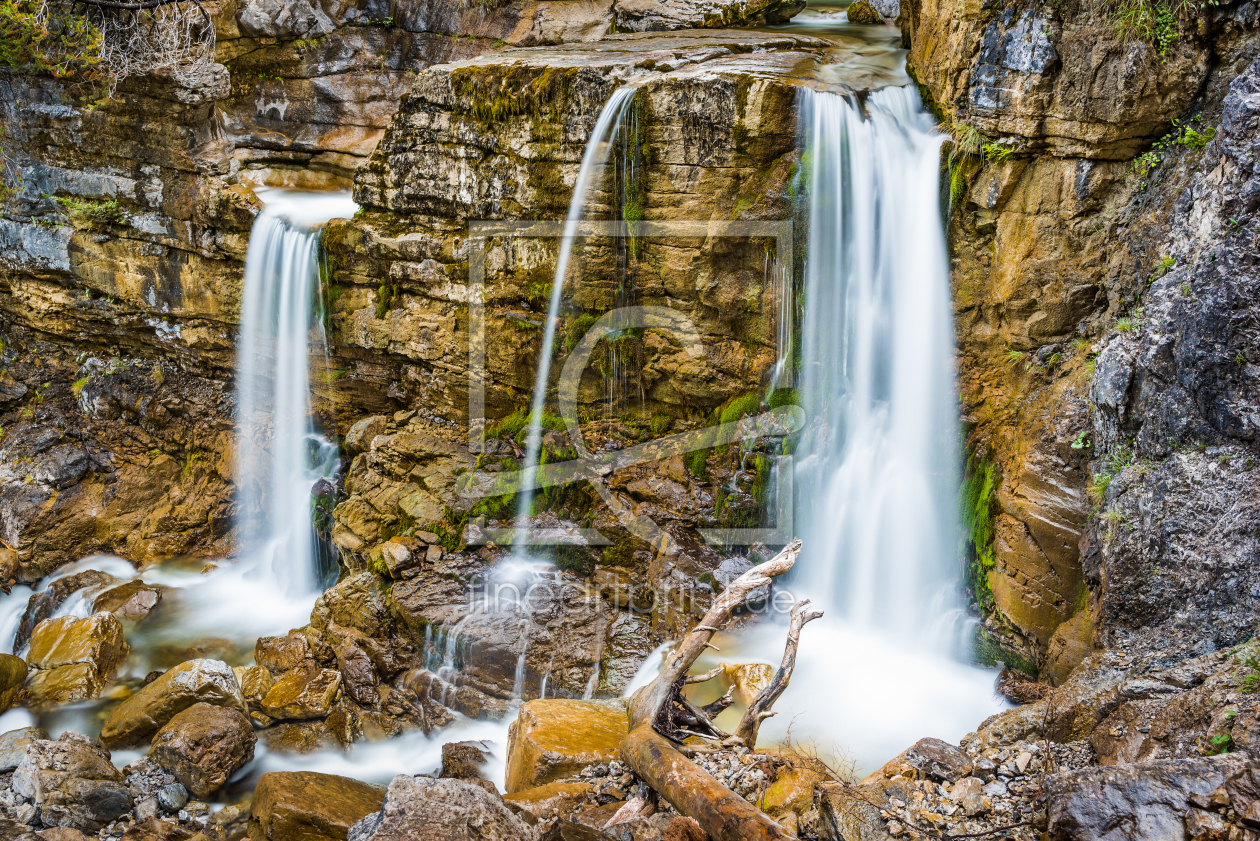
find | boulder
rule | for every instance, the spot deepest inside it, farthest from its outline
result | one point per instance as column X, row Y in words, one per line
column 463, row 760
column 938, row 760
column 283, row 654
column 132, row 600
column 846, row 814
column 554, row 739
column 1142, row 800
column 72, row 782
column 44, row 604
column 13, row 745
column 299, row 737
column 136, row 719
column 425, row 809
column 255, row 683
column 862, row 12
column 290, row 805
column 155, row 829
column 552, row 800
column 203, row 745
column 303, row 693
column 361, row 433
column 72, row 659
column 12, row 679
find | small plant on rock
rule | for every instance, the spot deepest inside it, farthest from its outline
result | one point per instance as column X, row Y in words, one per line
column 1249, row 658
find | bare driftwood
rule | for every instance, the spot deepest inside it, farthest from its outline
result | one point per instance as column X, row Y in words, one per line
column 660, row 717
column 759, row 710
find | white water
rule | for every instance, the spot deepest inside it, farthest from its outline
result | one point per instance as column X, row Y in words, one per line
column 593, row 159
column 280, row 456
column 877, row 467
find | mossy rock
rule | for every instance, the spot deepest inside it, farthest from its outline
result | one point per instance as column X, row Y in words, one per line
column 862, row 12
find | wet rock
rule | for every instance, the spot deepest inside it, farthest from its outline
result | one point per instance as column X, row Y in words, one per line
column 420, row 809
column 255, row 683
column 626, row 647
column 44, row 604
column 132, row 600
column 11, row 391
column 300, row 737
column 12, row 679
column 551, row 740
column 938, row 760
column 748, row 679
column 302, row 693
column 356, row 611
column 203, row 745
column 72, row 782
column 1148, row 799
column 361, row 433
column 463, row 760
column 305, row 805
column 136, row 719
column 72, row 659
column 282, row 654
column 13, row 745
column 862, row 12
column 62, row 833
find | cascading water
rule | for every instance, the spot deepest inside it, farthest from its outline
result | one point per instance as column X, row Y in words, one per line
column 593, row 159
column 280, row 456
column 877, row 466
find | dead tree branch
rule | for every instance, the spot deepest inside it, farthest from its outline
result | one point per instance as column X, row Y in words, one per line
column 759, row 710
column 722, row 813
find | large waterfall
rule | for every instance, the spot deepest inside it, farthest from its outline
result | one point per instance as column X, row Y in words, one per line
column 280, row 456
column 877, row 467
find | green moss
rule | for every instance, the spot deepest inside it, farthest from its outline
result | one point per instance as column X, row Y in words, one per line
column 77, row 387
column 386, row 293
column 88, row 215
column 578, row 328
column 783, row 397
column 494, row 93
column 979, row 512
column 738, row 407
column 660, row 424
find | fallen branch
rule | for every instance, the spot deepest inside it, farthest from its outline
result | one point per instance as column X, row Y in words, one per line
column 659, row 706
column 759, row 710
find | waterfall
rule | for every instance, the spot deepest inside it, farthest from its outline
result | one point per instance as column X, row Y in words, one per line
column 593, row 159
column 877, row 466
column 280, row 455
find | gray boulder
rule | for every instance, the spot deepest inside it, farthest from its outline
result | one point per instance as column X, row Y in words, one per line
column 72, row 783
column 425, row 809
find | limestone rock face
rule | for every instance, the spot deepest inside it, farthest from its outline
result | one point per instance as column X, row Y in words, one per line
column 136, row 719
column 72, row 659
column 420, row 809
column 551, row 740
column 132, row 600
column 72, row 782
column 203, row 745
column 1070, row 86
column 302, row 804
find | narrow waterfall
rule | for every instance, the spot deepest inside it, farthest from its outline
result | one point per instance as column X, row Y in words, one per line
column 877, row 467
column 593, row 159
column 281, row 456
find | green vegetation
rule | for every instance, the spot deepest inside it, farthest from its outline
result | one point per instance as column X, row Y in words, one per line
column 386, row 293
column 996, row 153
column 515, row 424
column 1163, row 267
column 660, row 424
column 1127, row 324
column 1249, row 658
column 578, row 328
column 979, row 511
column 48, row 39
column 88, row 215
column 1082, row 441
column 1115, row 462
column 77, row 387
column 1182, row 134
